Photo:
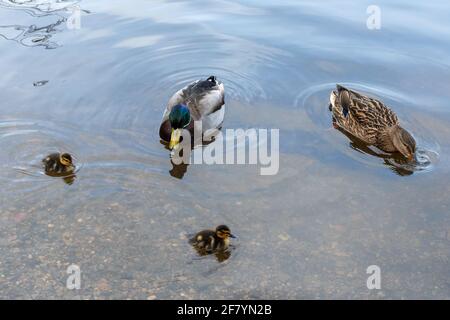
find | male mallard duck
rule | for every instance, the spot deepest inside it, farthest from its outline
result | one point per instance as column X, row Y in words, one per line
column 210, row 240
column 58, row 164
column 371, row 121
column 202, row 100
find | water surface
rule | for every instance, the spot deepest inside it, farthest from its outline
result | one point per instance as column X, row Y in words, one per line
column 310, row 231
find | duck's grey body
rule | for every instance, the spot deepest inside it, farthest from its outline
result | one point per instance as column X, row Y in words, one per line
column 206, row 102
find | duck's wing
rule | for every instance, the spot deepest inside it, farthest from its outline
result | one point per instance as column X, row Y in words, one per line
column 51, row 159
column 205, row 97
column 203, row 238
column 367, row 111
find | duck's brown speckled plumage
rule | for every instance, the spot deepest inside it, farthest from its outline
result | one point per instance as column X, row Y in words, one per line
column 365, row 118
column 371, row 121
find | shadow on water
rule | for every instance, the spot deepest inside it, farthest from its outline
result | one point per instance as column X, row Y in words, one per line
column 179, row 170
column 220, row 255
column 67, row 178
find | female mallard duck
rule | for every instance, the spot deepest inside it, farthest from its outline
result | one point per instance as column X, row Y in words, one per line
column 202, row 100
column 210, row 240
column 58, row 164
column 370, row 121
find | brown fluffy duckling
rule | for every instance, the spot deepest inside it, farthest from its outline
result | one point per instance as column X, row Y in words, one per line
column 213, row 240
column 58, row 164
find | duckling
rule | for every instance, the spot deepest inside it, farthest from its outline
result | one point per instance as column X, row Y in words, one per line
column 202, row 100
column 371, row 121
column 210, row 240
column 58, row 164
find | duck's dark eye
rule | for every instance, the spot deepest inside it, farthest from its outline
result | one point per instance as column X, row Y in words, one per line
column 68, row 158
column 212, row 79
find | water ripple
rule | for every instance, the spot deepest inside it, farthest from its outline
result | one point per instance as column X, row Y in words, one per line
column 179, row 61
column 39, row 8
column 25, row 143
column 34, row 35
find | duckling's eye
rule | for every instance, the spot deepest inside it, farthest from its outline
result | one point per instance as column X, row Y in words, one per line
column 66, row 160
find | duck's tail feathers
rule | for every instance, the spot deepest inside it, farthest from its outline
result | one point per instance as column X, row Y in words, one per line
column 212, row 79
column 341, row 88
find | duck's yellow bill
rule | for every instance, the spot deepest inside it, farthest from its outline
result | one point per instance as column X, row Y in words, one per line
column 174, row 138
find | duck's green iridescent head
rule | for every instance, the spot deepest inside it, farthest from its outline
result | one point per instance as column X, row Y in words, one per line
column 179, row 118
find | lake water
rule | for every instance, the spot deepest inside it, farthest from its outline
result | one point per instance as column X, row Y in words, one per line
column 310, row 231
